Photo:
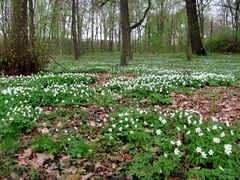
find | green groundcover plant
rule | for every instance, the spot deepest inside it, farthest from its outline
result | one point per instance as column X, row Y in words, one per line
column 177, row 143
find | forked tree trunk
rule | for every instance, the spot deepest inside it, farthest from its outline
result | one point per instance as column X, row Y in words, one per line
column 125, row 27
column 193, row 28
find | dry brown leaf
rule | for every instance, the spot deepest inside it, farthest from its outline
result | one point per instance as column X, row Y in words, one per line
column 44, row 130
column 99, row 165
column 40, row 159
column 59, row 124
column 114, row 166
column 86, row 177
column 52, row 172
column 92, row 123
column 22, row 161
column 27, row 153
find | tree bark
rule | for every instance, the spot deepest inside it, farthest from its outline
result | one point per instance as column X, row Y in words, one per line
column 125, row 28
column 74, row 31
column 79, row 29
column 92, row 26
column 21, row 62
column 193, row 28
column 32, row 25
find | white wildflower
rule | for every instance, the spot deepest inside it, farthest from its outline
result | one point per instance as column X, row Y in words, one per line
column 164, row 121
column 214, row 127
column 228, row 149
column 176, row 151
column 158, row 132
column 198, row 149
column 179, row 143
column 214, row 119
column 204, row 155
column 216, row 140
column 210, row 152
column 220, row 167
column 198, row 130
column 223, row 134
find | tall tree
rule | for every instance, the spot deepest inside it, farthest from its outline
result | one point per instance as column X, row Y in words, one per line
column 125, row 27
column 193, row 28
column 32, row 25
column 74, row 31
column 79, row 28
column 19, row 35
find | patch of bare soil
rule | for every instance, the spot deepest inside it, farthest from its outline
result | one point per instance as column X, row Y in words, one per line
column 222, row 103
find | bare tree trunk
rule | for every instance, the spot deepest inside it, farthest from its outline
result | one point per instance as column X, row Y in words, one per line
column 32, row 32
column 125, row 26
column 200, row 9
column 74, row 32
column 79, row 29
column 193, row 28
column 19, row 35
column 211, row 29
column 237, row 12
column 92, row 28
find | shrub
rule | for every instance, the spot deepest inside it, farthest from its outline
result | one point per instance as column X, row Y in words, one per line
column 223, row 42
column 31, row 61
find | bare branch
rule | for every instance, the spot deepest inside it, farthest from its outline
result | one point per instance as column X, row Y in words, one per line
column 143, row 18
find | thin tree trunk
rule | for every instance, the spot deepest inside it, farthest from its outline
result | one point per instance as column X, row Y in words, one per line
column 79, row 29
column 74, row 32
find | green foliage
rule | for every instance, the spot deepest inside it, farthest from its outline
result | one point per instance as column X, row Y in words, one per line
column 10, row 144
column 223, row 41
column 148, row 166
column 20, row 120
column 31, row 60
column 77, row 148
column 156, row 144
column 181, row 139
column 44, row 143
column 160, row 99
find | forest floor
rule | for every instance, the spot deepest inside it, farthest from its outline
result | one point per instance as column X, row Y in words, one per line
column 159, row 117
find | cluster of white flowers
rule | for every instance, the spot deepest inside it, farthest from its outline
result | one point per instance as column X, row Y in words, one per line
column 44, row 79
column 190, row 120
column 164, row 83
column 204, row 154
column 19, row 93
column 162, row 120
